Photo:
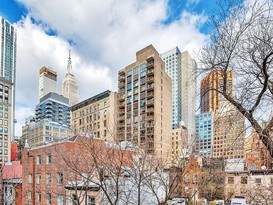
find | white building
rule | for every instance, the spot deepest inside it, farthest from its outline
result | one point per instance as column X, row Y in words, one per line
column 181, row 68
column 69, row 84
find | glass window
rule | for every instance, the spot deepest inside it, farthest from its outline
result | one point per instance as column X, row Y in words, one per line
column 143, row 67
column 60, row 200
column 48, row 178
column 129, row 86
column 129, row 73
column 48, row 199
column 39, row 160
column 39, row 197
column 38, row 179
column 135, row 70
column 243, row 180
column 60, row 178
column 135, row 97
column 48, row 159
column 91, row 200
column 230, row 180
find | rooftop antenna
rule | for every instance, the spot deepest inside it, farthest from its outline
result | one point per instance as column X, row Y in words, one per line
column 69, row 64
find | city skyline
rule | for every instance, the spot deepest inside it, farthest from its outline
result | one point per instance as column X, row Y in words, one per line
column 96, row 49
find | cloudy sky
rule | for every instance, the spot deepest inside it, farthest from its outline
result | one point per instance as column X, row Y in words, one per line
column 103, row 35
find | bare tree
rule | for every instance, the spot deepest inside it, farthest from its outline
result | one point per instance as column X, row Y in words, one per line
column 241, row 41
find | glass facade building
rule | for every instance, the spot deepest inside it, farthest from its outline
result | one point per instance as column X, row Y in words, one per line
column 204, row 134
column 7, row 87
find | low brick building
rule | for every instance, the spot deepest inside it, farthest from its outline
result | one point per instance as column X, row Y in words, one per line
column 48, row 169
column 12, row 183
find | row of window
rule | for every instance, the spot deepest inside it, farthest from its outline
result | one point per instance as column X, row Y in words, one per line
column 39, row 159
column 48, row 178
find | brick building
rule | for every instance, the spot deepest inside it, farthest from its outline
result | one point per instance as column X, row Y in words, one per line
column 47, row 170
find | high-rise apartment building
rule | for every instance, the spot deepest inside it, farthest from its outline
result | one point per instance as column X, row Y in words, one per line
column 145, row 103
column 209, row 91
column 69, row 84
column 204, row 134
column 54, row 107
column 7, row 87
column 181, row 68
column 47, row 81
column 96, row 116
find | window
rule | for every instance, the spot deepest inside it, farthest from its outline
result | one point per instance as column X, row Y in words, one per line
column 48, row 178
column 230, row 180
column 135, row 70
column 30, row 195
column 39, row 197
column 91, row 200
column 48, row 199
column 60, row 178
column 74, row 199
column 60, row 200
column 258, row 180
column 243, row 180
column 48, row 159
column 39, row 160
column 38, row 178
column 30, row 178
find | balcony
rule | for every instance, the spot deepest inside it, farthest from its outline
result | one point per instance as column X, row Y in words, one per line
column 150, row 64
column 150, row 102
column 150, row 94
column 121, row 118
column 121, row 85
column 150, row 87
column 150, row 79
column 48, row 106
column 149, row 110
column 150, row 117
column 122, row 104
column 121, row 98
column 150, row 72
column 49, row 111
column 150, row 124
column 121, row 72
column 121, row 78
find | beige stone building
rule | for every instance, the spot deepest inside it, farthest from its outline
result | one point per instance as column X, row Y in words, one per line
column 44, row 132
column 180, row 147
column 6, row 123
column 69, row 84
column 145, row 103
column 96, row 116
column 228, row 135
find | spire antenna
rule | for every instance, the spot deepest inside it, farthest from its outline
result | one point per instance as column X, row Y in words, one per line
column 69, row 63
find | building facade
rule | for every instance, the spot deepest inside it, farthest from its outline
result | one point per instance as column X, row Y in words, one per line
column 255, row 186
column 145, row 103
column 181, row 69
column 8, row 42
column 228, row 135
column 180, row 144
column 44, row 132
column 209, row 90
column 96, row 116
column 47, row 81
column 54, row 107
column 258, row 157
column 69, row 84
column 204, row 134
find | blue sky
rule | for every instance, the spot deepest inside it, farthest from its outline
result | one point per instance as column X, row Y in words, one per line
column 103, row 37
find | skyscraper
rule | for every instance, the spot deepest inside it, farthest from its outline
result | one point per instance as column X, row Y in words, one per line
column 7, row 87
column 228, row 123
column 181, row 68
column 69, row 84
column 47, row 81
column 209, row 91
column 144, row 103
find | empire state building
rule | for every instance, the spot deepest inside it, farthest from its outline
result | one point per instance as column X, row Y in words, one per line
column 69, row 84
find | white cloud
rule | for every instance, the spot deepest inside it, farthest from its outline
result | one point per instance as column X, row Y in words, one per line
column 106, row 36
